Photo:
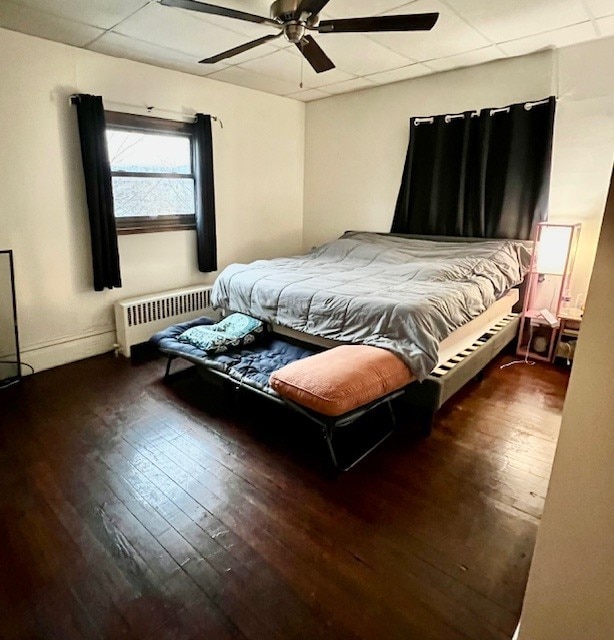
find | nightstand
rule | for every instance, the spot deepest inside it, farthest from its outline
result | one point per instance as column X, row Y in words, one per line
column 570, row 322
column 547, row 283
column 537, row 337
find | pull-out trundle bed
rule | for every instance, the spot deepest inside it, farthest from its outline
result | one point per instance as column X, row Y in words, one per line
column 251, row 369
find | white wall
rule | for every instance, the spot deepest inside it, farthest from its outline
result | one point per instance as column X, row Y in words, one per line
column 356, row 143
column 571, row 585
column 258, row 155
column 348, row 152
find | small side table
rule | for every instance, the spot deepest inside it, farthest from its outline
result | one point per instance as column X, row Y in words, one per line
column 569, row 329
column 536, row 330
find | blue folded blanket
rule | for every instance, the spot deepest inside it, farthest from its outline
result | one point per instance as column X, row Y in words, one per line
column 233, row 331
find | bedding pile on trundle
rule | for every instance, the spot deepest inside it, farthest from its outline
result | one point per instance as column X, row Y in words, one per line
column 332, row 388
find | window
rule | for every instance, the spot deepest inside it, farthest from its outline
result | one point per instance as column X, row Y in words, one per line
column 152, row 173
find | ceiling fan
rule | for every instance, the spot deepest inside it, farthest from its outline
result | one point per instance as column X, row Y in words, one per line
column 293, row 18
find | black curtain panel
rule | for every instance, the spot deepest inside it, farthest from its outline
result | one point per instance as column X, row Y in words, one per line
column 98, row 189
column 442, row 158
column 205, row 194
column 484, row 175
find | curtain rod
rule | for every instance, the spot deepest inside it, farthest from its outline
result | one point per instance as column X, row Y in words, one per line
column 527, row 105
column 149, row 108
column 449, row 117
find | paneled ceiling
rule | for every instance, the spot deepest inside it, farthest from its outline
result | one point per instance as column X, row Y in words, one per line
column 469, row 32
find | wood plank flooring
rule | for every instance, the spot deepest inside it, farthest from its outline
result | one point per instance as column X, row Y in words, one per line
column 132, row 509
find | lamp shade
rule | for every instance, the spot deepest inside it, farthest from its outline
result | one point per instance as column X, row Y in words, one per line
column 552, row 249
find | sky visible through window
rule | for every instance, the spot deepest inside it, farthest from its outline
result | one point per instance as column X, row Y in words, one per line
column 137, row 152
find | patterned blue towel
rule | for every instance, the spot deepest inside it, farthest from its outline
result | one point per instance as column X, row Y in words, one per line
column 233, row 331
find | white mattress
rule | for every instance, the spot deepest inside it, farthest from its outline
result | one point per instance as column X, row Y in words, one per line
column 457, row 341
column 467, row 334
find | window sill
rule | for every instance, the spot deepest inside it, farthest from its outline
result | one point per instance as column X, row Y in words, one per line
column 128, row 231
column 129, row 226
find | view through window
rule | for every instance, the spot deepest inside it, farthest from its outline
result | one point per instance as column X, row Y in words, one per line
column 152, row 173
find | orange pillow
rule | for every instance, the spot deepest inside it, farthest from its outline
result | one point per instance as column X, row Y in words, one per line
column 341, row 379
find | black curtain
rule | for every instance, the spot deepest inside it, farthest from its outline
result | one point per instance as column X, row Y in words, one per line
column 483, row 175
column 99, row 193
column 205, row 194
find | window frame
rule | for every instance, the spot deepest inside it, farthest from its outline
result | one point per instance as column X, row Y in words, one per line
column 149, row 124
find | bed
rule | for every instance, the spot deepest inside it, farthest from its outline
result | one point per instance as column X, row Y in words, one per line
column 444, row 307
column 419, row 298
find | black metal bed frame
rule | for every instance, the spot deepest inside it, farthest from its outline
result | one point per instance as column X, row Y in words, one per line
column 329, row 425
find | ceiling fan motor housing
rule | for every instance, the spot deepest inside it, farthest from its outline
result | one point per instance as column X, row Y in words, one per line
column 288, row 10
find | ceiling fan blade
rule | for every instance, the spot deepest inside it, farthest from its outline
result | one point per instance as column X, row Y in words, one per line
column 312, row 6
column 411, row 22
column 203, row 7
column 314, row 55
column 240, row 49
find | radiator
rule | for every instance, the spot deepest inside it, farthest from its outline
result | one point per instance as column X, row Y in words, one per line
column 137, row 319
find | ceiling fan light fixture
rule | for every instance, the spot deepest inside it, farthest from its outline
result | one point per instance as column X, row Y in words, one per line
column 294, row 31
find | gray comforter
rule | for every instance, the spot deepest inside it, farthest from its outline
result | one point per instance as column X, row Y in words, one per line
column 400, row 294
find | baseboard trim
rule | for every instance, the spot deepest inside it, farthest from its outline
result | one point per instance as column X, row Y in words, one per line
column 54, row 354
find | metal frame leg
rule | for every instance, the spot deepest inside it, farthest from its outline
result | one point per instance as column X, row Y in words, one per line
column 167, row 373
column 328, row 431
column 328, row 436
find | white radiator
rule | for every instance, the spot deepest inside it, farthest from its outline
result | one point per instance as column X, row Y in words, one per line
column 137, row 319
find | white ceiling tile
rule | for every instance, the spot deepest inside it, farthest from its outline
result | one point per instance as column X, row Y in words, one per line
column 250, row 29
column 245, row 78
column 44, row 25
column 449, row 36
column 350, row 85
column 281, row 65
column 98, row 13
column 606, row 26
column 177, row 39
column 503, row 21
column 257, row 7
column 479, row 56
column 318, row 80
column 361, row 8
column 182, row 31
column 258, row 52
column 309, row 95
column 404, row 73
column 323, row 80
column 357, row 54
column 281, row 43
column 286, row 65
column 600, row 8
column 559, row 38
column 114, row 44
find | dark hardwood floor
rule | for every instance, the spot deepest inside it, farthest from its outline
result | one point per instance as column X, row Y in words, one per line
column 132, row 509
